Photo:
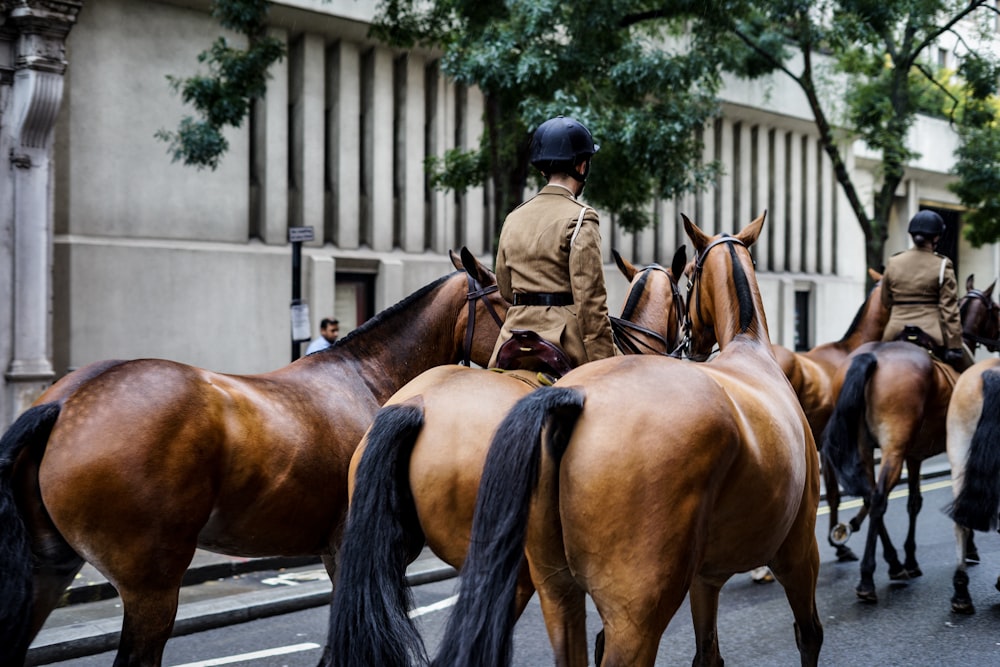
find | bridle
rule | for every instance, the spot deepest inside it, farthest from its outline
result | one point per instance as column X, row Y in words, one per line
column 624, row 331
column 694, row 285
column 991, row 344
column 476, row 292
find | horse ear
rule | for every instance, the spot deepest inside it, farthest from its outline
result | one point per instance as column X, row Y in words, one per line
column 474, row 267
column 456, row 260
column 748, row 236
column 989, row 290
column 680, row 260
column 969, row 283
column 699, row 238
column 625, row 266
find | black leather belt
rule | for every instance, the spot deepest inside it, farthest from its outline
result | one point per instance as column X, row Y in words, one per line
column 543, row 299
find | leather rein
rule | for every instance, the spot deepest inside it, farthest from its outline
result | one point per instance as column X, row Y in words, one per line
column 476, row 292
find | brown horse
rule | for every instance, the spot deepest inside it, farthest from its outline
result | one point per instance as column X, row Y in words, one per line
column 415, row 476
column 811, row 374
column 133, row 465
column 973, row 435
column 657, row 478
column 895, row 396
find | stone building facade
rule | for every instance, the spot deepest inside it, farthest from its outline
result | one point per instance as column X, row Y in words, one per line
column 110, row 250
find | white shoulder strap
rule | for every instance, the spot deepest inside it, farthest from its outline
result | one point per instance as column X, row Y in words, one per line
column 941, row 276
column 579, row 221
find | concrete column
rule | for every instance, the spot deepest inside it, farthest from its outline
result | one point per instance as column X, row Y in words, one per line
column 761, row 197
column 810, row 219
column 307, row 99
column 795, row 219
column 704, row 215
column 726, row 215
column 668, row 237
column 380, row 150
column 414, row 117
column 344, row 136
column 828, row 210
column 271, row 154
column 779, row 201
column 40, row 30
column 475, row 198
column 744, row 178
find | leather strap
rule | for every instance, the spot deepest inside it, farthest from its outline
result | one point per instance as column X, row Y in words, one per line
column 543, row 299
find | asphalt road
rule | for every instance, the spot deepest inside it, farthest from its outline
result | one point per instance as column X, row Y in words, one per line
column 912, row 624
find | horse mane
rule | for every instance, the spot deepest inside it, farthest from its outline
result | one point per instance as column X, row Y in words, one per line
column 634, row 295
column 389, row 312
column 744, row 295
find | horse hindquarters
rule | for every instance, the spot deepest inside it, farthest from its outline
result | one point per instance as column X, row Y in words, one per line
column 840, row 445
column 369, row 621
column 480, row 626
column 977, row 502
column 31, row 429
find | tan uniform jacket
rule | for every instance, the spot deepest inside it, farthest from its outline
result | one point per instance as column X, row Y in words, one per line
column 537, row 253
column 920, row 294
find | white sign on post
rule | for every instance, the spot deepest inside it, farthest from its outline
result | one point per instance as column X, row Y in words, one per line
column 301, row 331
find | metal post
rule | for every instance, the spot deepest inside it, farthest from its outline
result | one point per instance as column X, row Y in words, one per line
column 299, row 310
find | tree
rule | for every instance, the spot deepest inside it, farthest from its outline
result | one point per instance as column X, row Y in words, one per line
column 882, row 49
column 223, row 96
column 533, row 59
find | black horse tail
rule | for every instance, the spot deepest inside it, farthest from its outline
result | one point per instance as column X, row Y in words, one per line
column 480, row 627
column 840, row 446
column 16, row 589
column 978, row 501
column 369, row 619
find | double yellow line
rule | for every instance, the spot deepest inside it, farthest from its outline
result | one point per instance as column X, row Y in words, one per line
column 899, row 493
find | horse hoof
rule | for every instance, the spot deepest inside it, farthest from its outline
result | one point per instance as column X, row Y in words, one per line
column 761, row 575
column 845, row 555
column 997, row 585
column 964, row 607
column 899, row 575
column 839, row 534
column 972, row 558
column 914, row 572
column 866, row 594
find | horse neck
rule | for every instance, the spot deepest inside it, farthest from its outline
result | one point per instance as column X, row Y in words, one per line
column 869, row 326
column 405, row 340
column 729, row 320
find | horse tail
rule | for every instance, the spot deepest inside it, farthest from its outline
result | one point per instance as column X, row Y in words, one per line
column 31, row 429
column 480, row 627
column 978, row 501
column 840, row 447
column 369, row 620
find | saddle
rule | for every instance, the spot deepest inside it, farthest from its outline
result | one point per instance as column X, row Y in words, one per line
column 918, row 336
column 528, row 351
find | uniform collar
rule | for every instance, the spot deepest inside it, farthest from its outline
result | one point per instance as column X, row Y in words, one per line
column 556, row 189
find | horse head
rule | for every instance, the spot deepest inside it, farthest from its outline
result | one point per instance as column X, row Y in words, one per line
column 723, row 298
column 980, row 317
column 651, row 319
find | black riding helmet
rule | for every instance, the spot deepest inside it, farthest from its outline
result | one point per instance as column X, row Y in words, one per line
column 927, row 223
column 561, row 143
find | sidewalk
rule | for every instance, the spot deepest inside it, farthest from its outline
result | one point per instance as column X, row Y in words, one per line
column 213, row 595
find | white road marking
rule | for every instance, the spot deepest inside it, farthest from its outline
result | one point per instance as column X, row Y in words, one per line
column 437, row 606
column 256, row 655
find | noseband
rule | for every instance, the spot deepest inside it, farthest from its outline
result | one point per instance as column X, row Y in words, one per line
column 991, row 344
column 624, row 330
column 476, row 291
column 695, row 285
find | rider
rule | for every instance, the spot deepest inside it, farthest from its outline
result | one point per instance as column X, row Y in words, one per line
column 549, row 264
column 920, row 289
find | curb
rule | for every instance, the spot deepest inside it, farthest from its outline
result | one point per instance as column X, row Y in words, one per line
column 83, row 639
